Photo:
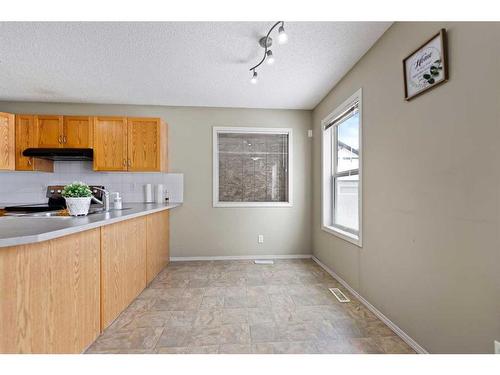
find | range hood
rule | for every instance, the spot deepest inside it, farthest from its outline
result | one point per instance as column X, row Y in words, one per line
column 58, row 154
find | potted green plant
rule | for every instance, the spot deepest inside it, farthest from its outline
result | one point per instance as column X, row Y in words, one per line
column 78, row 196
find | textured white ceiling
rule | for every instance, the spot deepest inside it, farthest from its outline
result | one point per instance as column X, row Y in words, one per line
column 178, row 63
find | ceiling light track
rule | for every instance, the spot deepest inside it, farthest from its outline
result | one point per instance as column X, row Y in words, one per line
column 266, row 43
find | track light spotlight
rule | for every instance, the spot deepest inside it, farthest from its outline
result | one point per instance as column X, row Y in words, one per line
column 254, row 77
column 282, row 37
column 270, row 57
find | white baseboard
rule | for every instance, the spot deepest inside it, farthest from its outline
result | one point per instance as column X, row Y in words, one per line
column 242, row 257
column 398, row 331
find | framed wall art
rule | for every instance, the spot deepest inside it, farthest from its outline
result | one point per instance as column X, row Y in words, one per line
column 427, row 66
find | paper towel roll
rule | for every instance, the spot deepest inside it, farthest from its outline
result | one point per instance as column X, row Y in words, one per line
column 148, row 193
column 160, row 193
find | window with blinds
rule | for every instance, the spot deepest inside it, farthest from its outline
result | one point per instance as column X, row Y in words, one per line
column 251, row 167
column 342, row 170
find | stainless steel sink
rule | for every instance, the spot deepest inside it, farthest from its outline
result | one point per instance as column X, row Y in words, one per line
column 56, row 215
column 101, row 211
column 50, row 214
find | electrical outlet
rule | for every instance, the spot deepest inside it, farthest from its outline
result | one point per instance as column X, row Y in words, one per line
column 310, row 133
column 261, row 238
column 497, row 347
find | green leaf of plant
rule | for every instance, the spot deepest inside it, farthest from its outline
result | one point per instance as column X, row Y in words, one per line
column 427, row 76
column 76, row 190
column 431, row 81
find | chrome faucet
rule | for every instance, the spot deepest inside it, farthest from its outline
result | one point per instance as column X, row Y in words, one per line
column 105, row 198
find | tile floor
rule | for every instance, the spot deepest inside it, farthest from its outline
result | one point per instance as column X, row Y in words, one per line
column 240, row 307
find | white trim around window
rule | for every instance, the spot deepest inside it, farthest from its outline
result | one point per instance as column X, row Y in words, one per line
column 328, row 173
column 250, row 130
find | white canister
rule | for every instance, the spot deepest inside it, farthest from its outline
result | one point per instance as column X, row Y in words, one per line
column 160, row 193
column 148, row 193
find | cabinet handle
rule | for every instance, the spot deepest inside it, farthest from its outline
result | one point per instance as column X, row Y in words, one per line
column 60, row 139
column 124, row 163
column 129, row 163
column 29, row 162
column 64, row 139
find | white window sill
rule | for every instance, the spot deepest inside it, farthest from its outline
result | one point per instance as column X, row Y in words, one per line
column 252, row 204
column 349, row 237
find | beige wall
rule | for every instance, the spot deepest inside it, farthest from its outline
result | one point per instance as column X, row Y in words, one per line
column 198, row 229
column 431, row 248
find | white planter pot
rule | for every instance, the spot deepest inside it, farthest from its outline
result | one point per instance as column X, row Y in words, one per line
column 78, row 206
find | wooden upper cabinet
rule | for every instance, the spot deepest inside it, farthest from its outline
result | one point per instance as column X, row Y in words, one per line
column 110, row 143
column 63, row 131
column 7, row 141
column 49, row 131
column 130, row 144
column 119, row 143
column 26, row 137
column 77, row 132
column 145, row 146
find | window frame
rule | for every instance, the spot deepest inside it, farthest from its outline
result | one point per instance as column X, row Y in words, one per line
column 328, row 172
column 215, row 163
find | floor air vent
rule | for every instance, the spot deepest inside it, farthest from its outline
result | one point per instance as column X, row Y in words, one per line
column 264, row 261
column 339, row 295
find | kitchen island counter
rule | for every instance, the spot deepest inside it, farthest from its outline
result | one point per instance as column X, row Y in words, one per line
column 25, row 230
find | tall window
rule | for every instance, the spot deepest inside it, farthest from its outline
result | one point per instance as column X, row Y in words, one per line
column 252, row 167
column 341, row 211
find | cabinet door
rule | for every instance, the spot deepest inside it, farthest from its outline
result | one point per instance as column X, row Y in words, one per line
column 7, row 142
column 26, row 138
column 145, row 144
column 49, row 131
column 123, row 266
column 157, row 244
column 77, row 132
column 24, row 298
column 110, row 144
column 74, row 292
column 49, row 295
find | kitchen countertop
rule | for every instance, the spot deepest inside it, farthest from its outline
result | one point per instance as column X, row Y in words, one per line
column 24, row 230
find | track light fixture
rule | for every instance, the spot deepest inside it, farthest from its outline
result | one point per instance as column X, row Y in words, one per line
column 266, row 43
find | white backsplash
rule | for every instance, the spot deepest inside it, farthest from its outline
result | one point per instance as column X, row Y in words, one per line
column 30, row 187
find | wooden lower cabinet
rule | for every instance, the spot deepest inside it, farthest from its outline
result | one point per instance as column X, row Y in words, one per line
column 157, row 244
column 123, row 266
column 49, row 295
column 56, row 296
